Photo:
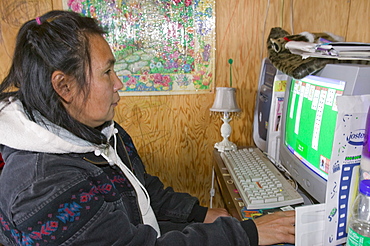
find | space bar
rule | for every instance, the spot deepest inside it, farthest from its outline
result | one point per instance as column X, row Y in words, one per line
column 261, row 204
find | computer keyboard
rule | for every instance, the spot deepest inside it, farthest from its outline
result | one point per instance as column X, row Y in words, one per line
column 259, row 182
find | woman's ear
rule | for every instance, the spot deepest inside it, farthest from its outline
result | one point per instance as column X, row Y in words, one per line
column 62, row 84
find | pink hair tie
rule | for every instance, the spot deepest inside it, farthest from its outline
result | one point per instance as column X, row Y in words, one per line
column 38, row 21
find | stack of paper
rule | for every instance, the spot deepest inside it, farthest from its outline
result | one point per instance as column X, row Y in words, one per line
column 335, row 50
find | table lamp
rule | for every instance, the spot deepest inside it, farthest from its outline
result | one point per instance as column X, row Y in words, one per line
column 225, row 103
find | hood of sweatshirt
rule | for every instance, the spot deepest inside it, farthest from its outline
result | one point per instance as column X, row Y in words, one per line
column 19, row 132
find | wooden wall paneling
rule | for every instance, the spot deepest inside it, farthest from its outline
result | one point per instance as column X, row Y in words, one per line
column 57, row 4
column 321, row 16
column 239, row 36
column 358, row 28
column 12, row 15
column 350, row 18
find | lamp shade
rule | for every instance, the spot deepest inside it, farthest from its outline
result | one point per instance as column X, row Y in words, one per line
column 225, row 100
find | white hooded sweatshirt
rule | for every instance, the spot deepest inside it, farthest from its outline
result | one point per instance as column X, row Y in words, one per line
column 18, row 132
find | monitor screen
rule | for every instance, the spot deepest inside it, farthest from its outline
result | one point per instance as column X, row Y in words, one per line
column 310, row 121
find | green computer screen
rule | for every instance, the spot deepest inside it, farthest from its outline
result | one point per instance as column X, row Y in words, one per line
column 311, row 119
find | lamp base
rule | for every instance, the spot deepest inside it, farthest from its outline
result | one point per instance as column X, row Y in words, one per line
column 225, row 145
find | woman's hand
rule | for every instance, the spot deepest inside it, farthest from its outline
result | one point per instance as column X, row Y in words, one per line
column 276, row 228
column 214, row 213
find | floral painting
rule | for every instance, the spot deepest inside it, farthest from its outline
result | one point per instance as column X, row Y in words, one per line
column 161, row 46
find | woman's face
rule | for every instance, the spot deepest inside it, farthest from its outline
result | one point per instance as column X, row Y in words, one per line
column 104, row 85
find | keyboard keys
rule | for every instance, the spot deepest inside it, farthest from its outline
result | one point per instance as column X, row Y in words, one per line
column 260, row 183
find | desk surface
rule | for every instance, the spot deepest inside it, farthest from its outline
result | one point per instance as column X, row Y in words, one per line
column 229, row 193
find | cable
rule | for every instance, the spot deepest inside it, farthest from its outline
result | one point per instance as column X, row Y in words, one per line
column 277, row 164
column 264, row 29
column 291, row 16
column 282, row 13
column 212, row 191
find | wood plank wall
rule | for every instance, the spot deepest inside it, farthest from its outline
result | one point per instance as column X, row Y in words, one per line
column 175, row 134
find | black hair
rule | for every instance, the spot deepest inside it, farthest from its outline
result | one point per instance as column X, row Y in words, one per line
column 56, row 41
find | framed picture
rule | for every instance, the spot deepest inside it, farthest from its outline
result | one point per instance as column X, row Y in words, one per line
column 162, row 47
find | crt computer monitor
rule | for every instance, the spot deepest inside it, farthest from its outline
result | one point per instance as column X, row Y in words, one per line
column 309, row 120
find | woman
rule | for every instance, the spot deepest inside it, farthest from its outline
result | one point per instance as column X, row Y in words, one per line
column 72, row 175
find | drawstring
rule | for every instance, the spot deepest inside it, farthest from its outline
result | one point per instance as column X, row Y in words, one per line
column 110, row 154
column 98, row 152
